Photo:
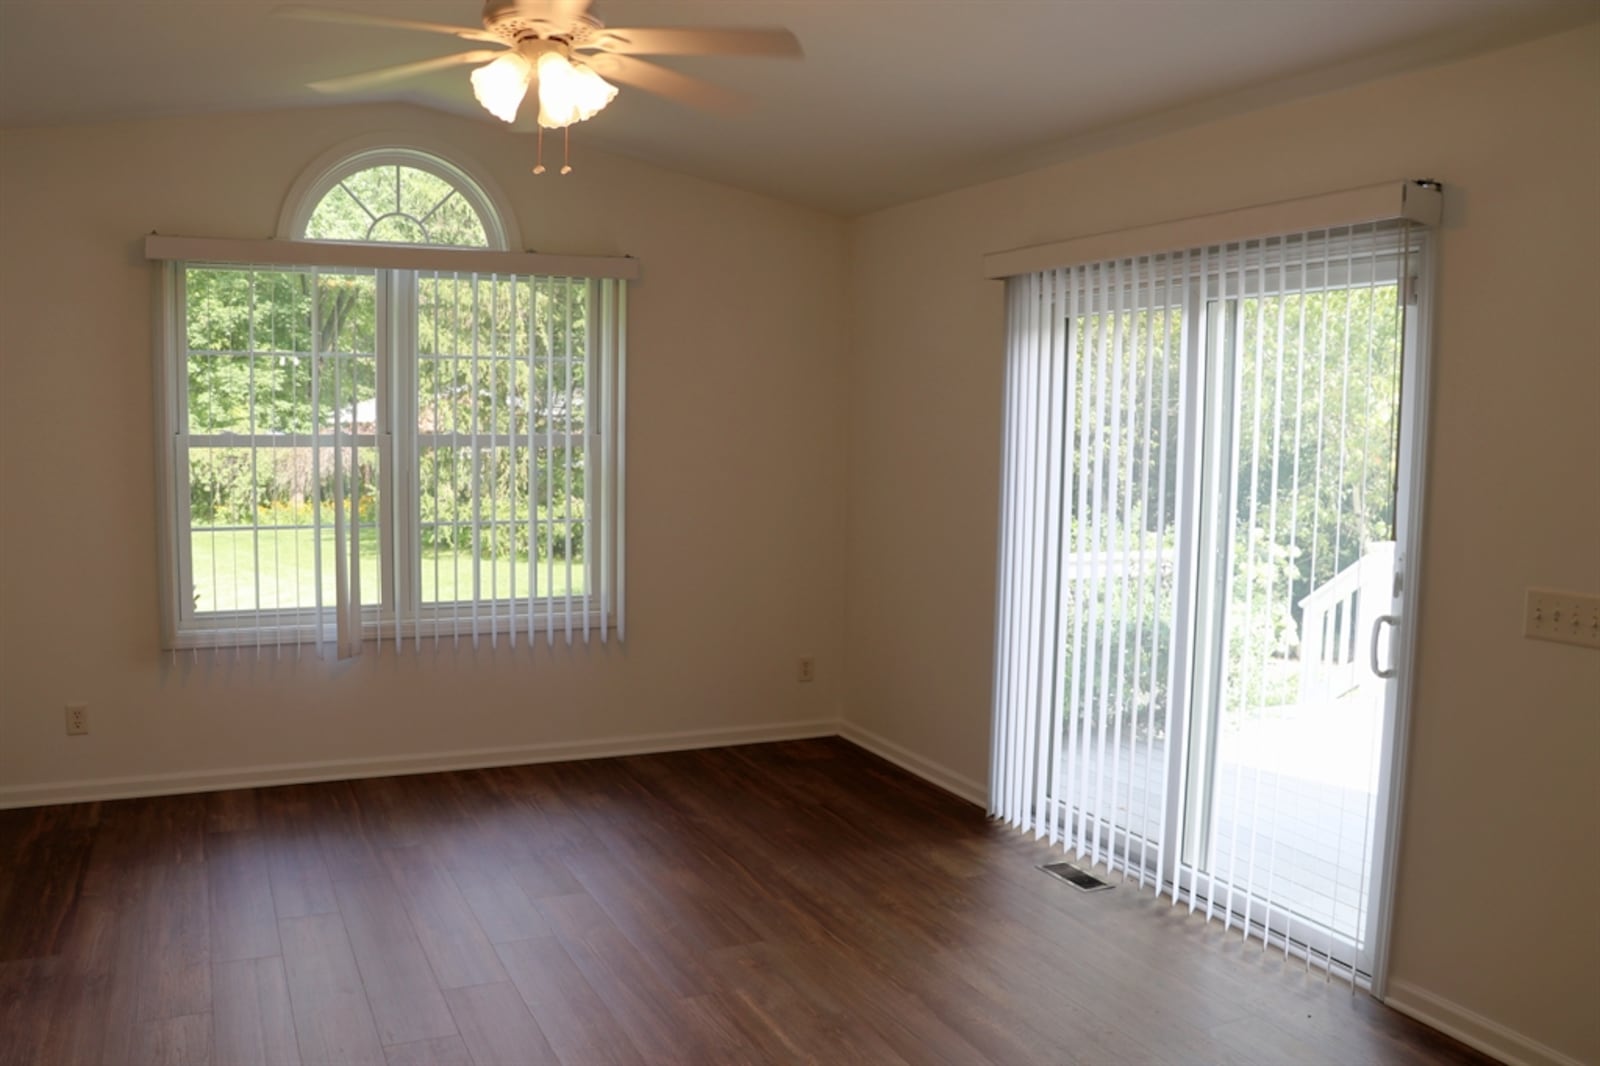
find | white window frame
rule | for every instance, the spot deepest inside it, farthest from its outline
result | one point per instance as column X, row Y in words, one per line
column 397, row 269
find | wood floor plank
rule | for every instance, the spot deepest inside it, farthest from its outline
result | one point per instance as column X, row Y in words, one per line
column 574, row 1019
column 184, row 1041
column 29, row 992
column 792, row 902
column 344, row 833
column 455, row 944
column 544, row 876
column 398, row 815
column 440, row 1051
column 502, row 908
column 400, row 984
column 489, row 832
column 650, row 925
column 252, row 1021
column 295, row 867
column 176, row 978
column 39, row 895
column 98, row 1010
column 236, row 810
column 792, row 1013
column 497, row 1028
column 244, row 924
column 879, row 998
column 651, row 1014
column 137, row 834
column 333, row 1022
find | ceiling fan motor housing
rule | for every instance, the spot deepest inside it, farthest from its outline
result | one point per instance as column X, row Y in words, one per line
column 513, row 24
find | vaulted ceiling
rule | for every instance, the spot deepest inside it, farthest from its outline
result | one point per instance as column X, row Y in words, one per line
column 895, row 99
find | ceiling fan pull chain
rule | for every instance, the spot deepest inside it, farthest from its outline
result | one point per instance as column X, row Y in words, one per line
column 566, row 149
column 538, row 158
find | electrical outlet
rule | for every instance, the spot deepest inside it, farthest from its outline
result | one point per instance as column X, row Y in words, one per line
column 77, row 719
column 1565, row 617
column 807, row 670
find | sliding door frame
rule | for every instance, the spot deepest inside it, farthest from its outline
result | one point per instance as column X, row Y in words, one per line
column 1410, row 493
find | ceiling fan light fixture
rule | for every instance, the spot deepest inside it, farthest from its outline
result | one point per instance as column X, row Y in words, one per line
column 569, row 92
column 501, row 85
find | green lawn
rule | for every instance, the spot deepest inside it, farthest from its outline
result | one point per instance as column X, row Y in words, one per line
column 225, row 571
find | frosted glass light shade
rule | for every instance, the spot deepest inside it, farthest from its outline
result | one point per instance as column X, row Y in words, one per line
column 569, row 92
column 501, row 85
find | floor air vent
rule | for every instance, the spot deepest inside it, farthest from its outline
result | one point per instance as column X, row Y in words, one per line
column 1080, row 879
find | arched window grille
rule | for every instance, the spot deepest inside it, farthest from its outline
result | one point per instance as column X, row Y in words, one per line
column 399, row 196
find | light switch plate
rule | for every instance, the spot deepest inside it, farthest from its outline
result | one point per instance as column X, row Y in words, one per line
column 1564, row 617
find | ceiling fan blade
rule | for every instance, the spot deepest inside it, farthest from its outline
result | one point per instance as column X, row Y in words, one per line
column 695, row 42
column 359, row 18
column 679, row 88
column 373, row 78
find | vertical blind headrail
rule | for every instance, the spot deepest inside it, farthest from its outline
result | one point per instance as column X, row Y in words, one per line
column 1419, row 202
column 1329, row 264
column 341, row 256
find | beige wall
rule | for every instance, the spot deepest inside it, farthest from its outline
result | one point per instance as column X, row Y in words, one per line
column 735, row 463
column 768, row 433
column 1505, row 767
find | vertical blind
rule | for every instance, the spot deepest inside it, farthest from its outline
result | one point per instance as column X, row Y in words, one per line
column 1095, row 383
column 402, row 457
column 1199, row 458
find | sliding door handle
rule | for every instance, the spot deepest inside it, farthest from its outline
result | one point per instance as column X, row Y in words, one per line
column 1377, row 631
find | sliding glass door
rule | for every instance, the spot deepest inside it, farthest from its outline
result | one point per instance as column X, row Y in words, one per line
column 1297, row 548
column 1207, row 517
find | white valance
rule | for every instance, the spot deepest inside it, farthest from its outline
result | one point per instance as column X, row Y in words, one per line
column 1414, row 201
column 387, row 257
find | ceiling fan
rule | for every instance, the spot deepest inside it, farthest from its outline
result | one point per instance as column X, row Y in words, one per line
column 567, row 53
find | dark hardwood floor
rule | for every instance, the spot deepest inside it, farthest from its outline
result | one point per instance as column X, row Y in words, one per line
column 796, row 902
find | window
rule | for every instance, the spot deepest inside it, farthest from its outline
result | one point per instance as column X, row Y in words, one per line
column 399, row 196
column 393, row 452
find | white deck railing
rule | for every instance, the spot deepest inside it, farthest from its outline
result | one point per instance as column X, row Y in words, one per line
column 1337, row 617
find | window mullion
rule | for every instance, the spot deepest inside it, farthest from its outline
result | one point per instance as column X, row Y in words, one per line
column 398, row 397
column 177, row 450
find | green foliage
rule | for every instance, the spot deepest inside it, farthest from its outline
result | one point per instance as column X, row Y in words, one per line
column 1321, row 480
column 1121, row 679
column 225, row 487
column 500, row 361
column 396, row 204
column 1313, row 486
column 1262, row 629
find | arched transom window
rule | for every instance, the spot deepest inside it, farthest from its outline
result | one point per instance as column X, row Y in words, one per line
column 399, row 196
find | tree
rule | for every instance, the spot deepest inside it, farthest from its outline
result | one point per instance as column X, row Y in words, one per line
column 500, row 357
column 1312, row 454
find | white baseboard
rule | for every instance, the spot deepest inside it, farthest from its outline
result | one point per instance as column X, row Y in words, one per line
column 930, row 771
column 172, row 784
column 389, row 766
column 1471, row 1028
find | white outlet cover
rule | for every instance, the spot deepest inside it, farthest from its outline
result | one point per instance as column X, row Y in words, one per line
column 77, row 710
column 1563, row 617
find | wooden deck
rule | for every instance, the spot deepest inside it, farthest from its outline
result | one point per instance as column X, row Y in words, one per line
column 777, row 903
